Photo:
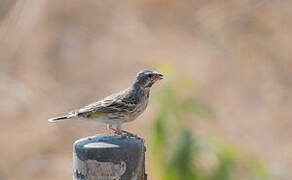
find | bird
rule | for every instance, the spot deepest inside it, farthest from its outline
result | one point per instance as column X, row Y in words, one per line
column 122, row 107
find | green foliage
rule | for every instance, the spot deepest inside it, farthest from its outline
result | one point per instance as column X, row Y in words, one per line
column 177, row 153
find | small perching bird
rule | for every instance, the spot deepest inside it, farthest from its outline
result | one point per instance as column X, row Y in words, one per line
column 124, row 106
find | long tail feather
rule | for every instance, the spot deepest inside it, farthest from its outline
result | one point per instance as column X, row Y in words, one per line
column 59, row 118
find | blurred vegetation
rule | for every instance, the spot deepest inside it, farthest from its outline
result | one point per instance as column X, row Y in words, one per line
column 179, row 153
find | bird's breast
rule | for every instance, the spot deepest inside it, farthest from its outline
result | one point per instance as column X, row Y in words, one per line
column 138, row 111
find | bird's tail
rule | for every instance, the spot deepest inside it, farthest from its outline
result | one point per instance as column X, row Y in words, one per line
column 54, row 119
column 58, row 118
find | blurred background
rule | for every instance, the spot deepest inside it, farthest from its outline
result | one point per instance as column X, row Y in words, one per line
column 223, row 110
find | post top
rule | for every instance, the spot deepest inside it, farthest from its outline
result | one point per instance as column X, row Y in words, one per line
column 101, row 141
column 103, row 145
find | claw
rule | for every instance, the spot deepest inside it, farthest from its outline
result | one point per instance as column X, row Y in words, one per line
column 132, row 135
column 126, row 133
column 115, row 131
column 129, row 134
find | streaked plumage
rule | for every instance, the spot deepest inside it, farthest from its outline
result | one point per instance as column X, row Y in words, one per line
column 124, row 106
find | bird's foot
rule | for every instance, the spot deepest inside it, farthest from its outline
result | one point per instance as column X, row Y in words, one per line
column 115, row 131
column 126, row 133
column 129, row 134
column 132, row 135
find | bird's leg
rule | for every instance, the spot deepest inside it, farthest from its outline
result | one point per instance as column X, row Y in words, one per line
column 110, row 126
column 119, row 127
column 119, row 131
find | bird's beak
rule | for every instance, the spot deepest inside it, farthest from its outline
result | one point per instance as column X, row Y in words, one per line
column 159, row 76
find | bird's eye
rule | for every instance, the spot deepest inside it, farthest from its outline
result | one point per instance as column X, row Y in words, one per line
column 150, row 75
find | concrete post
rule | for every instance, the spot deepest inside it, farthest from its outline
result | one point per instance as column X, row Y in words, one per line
column 109, row 157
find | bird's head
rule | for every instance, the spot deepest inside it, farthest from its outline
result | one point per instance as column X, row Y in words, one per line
column 147, row 78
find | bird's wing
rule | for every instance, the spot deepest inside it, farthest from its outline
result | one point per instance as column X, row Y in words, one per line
column 111, row 104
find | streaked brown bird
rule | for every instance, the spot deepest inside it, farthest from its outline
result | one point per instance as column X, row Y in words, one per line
column 122, row 107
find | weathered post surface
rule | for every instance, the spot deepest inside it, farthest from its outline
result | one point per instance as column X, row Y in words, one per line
column 109, row 157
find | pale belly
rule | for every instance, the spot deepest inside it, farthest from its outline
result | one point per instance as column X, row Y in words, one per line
column 102, row 119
